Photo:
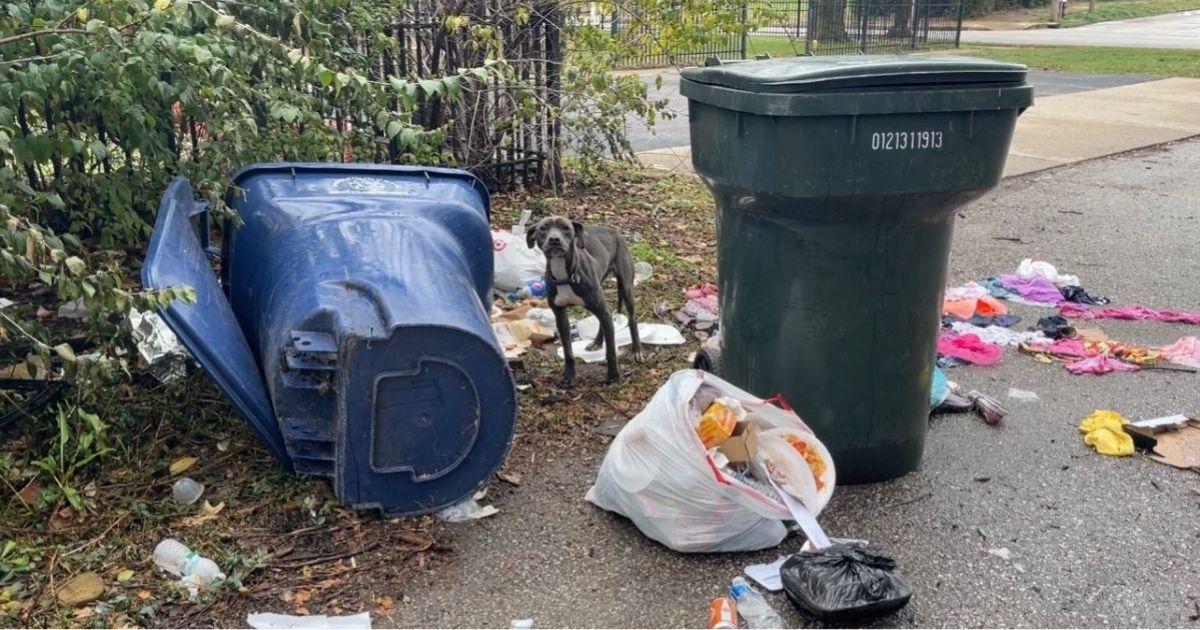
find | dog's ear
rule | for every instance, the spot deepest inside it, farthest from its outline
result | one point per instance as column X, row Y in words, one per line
column 578, row 229
column 531, row 234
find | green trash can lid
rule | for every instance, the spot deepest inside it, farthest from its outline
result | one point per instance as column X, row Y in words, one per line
column 794, row 75
column 855, row 84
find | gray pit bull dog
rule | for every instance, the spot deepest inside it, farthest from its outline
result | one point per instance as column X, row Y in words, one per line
column 577, row 262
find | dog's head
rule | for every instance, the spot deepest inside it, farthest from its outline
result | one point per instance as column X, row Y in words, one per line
column 556, row 236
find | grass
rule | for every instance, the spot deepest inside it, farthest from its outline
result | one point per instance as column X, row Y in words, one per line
column 1152, row 61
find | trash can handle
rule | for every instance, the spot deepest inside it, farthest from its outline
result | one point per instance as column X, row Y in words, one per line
column 202, row 225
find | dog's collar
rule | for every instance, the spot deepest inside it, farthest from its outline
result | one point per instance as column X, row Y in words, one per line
column 571, row 279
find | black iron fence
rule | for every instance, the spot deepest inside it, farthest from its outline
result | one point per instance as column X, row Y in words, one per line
column 829, row 27
column 814, row 27
column 493, row 132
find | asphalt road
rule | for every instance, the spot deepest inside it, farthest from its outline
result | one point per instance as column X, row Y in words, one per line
column 1094, row 541
column 1174, row 30
column 673, row 132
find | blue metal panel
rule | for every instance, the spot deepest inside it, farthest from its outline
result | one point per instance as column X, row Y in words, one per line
column 207, row 327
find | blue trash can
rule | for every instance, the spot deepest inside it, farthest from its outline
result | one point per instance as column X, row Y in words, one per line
column 353, row 330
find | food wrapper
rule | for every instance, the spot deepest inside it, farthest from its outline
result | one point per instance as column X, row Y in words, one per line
column 718, row 421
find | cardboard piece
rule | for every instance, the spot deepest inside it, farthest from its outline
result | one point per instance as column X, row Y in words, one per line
column 741, row 446
column 1173, row 440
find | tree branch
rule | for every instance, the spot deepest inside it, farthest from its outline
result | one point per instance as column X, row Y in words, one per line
column 42, row 33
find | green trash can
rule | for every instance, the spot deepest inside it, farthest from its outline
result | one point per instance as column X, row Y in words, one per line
column 836, row 182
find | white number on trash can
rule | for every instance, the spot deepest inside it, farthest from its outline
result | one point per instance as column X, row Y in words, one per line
column 905, row 140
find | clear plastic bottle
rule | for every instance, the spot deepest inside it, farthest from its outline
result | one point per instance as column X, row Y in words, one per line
column 175, row 558
column 752, row 606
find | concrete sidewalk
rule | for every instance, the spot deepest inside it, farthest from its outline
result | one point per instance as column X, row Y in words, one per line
column 1173, row 30
column 1069, row 128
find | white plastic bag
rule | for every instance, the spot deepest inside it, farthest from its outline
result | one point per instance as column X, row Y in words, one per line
column 515, row 263
column 658, row 474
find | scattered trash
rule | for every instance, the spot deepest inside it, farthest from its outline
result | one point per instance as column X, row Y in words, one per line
column 1022, row 395
column 1185, row 351
column 651, row 335
column 987, row 306
column 1007, row 320
column 512, row 479
column 273, row 621
column 1135, row 313
column 515, row 262
column 81, row 589
column 589, row 327
column 1001, row 552
column 5, row 303
column 158, row 348
column 1000, row 335
column 532, row 288
column 722, row 614
column 1100, row 365
column 939, row 388
column 208, row 512
column 1103, row 430
column 767, row 575
column 969, row 348
column 1035, row 290
column 193, row 570
column 842, row 583
column 752, row 606
column 73, row 309
column 1174, row 440
column 642, row 271
column 1056, row 327
column 186, row 490
column 1030, row 268
column 1078, row 295
column 658, row 474
column 468, row 510
column 521, row 624
column 700, row 312
column 989, row 408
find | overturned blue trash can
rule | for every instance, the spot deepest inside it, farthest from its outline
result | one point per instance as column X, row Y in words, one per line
column 352, row 329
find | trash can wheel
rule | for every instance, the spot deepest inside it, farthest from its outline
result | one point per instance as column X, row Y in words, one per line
column 709, row 360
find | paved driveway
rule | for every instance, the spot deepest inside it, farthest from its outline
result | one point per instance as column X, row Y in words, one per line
column 1174, row 30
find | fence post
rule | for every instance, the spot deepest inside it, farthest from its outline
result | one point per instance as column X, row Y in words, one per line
column 915, row 24
column 958, row 29
column 864, row 23
column 745, row 30
column 808, row 26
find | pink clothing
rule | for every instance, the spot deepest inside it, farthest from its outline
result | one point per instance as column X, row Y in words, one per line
column 1100, row 365
column 969, row 348
column 1128, row 312
column 1185, row 352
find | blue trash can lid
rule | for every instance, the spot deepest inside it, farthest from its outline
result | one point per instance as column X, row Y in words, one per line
column 207, row 327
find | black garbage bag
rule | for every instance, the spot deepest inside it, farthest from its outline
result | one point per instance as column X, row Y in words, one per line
column 843, row 583
column 1056, row 327
column 1078, row 295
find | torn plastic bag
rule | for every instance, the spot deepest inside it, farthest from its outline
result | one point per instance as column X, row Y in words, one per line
column 843, row 583
column 658, row 474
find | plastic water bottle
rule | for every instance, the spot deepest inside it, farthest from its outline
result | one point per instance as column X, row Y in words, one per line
column 752, row 606
column 175, row 558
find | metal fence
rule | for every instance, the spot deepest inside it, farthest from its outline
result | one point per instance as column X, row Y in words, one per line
column 815, row 27
column 492, row 131
column 828, row 27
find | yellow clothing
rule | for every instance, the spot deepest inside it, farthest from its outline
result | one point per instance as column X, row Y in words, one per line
column 1102, row 431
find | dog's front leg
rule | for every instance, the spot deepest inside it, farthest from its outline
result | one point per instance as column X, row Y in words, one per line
column 563, row 323
column 610, row 342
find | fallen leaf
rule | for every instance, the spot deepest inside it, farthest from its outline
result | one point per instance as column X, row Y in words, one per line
column 223, row 446
column 303, row 596
column 207, row 513
column 143, row 595
column 384, row 605
column 62, row 518
column 30, row 492
column 81, row 589
column 124, row 575
column 83, row 613
column 301, row 611
column 182, row 464
column 512, row 478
